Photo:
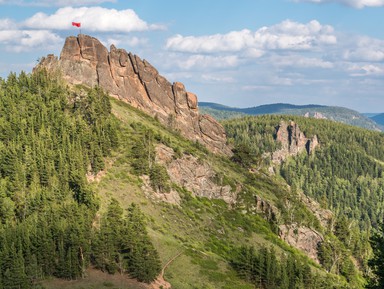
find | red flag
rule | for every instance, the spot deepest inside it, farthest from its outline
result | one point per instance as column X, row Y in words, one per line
column 77, row 24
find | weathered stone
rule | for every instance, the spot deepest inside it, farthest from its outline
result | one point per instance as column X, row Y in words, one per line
column 84, row 60
column 271, row 212
column 192, row 100
column 293, row 141
column 302, row 238
column 195, row 175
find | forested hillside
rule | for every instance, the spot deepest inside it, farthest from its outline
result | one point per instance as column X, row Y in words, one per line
column 344, row 174
column 335, row 113
column 51, row 138
column 88, row 182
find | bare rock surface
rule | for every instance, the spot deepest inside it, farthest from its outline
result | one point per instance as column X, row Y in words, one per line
column 293, row 141
column 302, row 238
column 85, row 60
column 196, row 175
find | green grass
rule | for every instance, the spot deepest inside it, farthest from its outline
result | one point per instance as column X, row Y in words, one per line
column 204, row 231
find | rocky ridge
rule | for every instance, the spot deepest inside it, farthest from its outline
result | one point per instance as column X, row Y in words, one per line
column 293, row 141
column 85, row 60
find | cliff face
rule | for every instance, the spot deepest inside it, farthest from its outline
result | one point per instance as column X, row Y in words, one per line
column 293, row 141
column 84, row 60
column 197, row 176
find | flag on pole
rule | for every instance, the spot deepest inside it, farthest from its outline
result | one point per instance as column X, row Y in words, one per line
column 77, row 24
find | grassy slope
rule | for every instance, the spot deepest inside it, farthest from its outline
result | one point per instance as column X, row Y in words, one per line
column 201, row 230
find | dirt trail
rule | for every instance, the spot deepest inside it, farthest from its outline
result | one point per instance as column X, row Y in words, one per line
column 160, row 283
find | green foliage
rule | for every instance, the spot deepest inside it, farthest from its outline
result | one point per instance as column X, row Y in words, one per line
column 50, row 138
column 334, row 113
column 159, row 178
column 377, row 261
column 264, row 270
column 122, row 244
column 344, row 174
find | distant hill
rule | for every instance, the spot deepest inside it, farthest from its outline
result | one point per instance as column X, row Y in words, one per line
column 379, row 118
column 339, row 114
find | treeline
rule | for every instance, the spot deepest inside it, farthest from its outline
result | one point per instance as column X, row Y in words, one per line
column 50, row 138
column 263, row 269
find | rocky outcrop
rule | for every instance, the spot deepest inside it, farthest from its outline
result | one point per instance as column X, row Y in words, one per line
column 316, row 114
column 302, row 238
column 84, row 60
column 269, row 211
column 293, row 141
column 323, row 215
column 196, row 175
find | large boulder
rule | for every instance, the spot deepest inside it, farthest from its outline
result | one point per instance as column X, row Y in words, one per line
column 85, row 60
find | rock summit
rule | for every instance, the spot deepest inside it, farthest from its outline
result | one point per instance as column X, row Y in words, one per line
column 85, row 60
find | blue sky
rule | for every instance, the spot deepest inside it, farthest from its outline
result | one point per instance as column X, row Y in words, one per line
column 238, row 53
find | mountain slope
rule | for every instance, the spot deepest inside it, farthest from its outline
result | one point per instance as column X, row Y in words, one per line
column 339, row 114
column 379, row 118
column 88, row 182
column 75, row 207
column 344, row 173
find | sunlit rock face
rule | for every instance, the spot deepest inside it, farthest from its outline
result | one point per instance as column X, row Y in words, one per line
column 85, row 60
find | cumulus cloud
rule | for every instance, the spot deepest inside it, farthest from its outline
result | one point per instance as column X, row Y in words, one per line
column 287, row 35
column 364, row 49
column 352, row 3
column 57, row 3
column 7, row 23
column 24, row 40
column 96, row 19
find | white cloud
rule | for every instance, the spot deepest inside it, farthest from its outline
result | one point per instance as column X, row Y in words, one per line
column 352, row 3
column 57, row 3
column 211, row 78
column 366, row 70
column 25, row 40
column 364, row 49
column 287, row 35
column 207, row 61
column 7, row 23
column 300, row 61
column 92, row 19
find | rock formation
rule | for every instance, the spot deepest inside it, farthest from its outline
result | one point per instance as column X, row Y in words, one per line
column 293, row 141
column 197, row 176
column 302, row 238
column 316, row 114
column 84, row 60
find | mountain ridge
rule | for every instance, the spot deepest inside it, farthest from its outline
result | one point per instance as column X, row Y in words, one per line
column 85, row 60
column 335, row 113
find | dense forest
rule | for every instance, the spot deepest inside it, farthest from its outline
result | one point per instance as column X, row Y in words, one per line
column 51, row 137
column 345, row 175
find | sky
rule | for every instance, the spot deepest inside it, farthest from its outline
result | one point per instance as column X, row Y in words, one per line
column 238, row 53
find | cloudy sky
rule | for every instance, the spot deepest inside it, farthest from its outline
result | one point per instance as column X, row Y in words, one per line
column 238, row 53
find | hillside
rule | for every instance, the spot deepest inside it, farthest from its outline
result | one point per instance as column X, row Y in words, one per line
column 379, row 118
column 339, row 114
column 344, row 173
column 99, row 177
column 98, row 196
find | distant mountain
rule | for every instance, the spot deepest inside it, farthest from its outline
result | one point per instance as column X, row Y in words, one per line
column 339, row 114
column 378, row 118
